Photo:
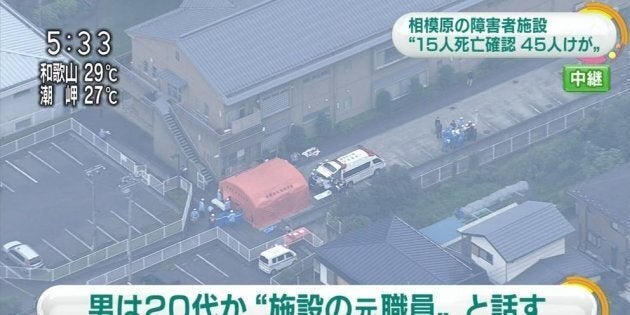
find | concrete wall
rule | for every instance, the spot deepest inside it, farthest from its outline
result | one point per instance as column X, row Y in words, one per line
column 497, row 270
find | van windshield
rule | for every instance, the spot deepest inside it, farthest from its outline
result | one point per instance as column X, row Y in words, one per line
column 329, row 167
column 35, row 261
column 264, row 260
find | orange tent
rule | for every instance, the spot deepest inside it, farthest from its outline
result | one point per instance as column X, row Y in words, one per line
column 267, row 193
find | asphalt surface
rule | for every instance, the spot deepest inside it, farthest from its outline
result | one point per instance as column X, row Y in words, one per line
column 47, row 202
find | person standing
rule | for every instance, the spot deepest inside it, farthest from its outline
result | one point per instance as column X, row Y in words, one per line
column 202, row 205
column 438, row 128
column 211, row 221
column 469, row 78
column 194, row 216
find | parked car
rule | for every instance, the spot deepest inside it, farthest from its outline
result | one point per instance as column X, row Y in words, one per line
column 22, row 254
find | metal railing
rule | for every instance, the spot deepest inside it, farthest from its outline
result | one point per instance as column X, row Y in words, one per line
column 45, row 274
column 216, row 233
column 504, row 144
column 35, row 137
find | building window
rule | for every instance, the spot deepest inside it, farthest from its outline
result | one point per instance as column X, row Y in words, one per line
column 593, row 239
column 177, row 55
column 386, row 57
column 481, row 253
column 400, row 88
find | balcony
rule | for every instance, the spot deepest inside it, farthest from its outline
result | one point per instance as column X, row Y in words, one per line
column 239, row 125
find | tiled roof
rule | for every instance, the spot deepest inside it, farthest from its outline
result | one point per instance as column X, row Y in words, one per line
column 391, row 252
column 554, row 270
column 521, row 230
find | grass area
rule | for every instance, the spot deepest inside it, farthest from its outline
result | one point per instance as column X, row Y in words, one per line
column 178, row 197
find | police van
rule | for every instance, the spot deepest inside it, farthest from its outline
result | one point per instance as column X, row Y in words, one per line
column 347, row 170
column 276, row 259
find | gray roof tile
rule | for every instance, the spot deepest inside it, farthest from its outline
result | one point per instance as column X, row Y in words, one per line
column 522, row 229
column 555, row 270
column 608, row 193
column 391, row 252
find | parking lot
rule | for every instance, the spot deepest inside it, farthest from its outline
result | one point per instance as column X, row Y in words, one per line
column 212, row 263
column 46, row 201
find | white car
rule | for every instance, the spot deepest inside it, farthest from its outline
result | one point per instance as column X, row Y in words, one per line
column 22, row 254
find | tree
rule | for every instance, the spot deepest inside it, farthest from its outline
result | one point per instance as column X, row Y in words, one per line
column 415, row 88
column 296, row 140
column 323, row 125
column 383, row 100
column 446, row 76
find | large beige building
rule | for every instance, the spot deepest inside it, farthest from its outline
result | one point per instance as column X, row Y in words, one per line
column 233, row 77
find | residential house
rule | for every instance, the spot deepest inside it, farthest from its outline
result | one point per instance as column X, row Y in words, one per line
column 22, row 49
column 525, row 244
column 603, row 210
column 238, row 75
column 391, row 252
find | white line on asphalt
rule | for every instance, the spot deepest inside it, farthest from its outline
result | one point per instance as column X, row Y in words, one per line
column 44, row 162
column 125, row 221
column 405, row 161
column 213, row 266
column 104, row 232
column 187, row 273
column 11, row 269
column 534, row 108
column 149, row 213
column 426, row 151
column 21, row 171
column 18, row 288
column 556, row 100
column 2, row 184
column 79, row 239
column 56, row 249
column 66, row 153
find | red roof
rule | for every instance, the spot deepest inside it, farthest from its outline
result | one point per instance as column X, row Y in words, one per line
column 268, row 192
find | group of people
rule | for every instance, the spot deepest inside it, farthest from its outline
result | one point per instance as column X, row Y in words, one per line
column 202, row 209
column 455, row 134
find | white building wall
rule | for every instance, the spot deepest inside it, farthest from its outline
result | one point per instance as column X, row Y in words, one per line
column 522, row 264
column 496, row 270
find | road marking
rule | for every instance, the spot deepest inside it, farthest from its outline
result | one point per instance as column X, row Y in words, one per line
column 21, row 171
column 534, row 108
column 405, row 161
column 556, row 100
column 66, row 153
column 213, row 266
column 18, row 288
column 56, row 249
column 44, row 162
column 2, row 184
column 188, row 274
column 104, row 232
column 79, row 239
column 427, row 152
column 125, row 221
column 149, row 213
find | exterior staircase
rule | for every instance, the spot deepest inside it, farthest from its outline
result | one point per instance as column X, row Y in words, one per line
column 204, row 175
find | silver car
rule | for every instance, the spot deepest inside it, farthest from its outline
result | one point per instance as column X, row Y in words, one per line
column 22, row 254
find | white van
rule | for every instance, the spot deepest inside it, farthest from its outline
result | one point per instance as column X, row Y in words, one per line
column 22, row 254
column 276, row 258
column 348, row 169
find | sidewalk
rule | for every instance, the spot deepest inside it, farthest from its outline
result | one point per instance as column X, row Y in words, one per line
column 497, row 102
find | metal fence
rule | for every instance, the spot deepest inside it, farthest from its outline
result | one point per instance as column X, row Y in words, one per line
column 505, row 143
column 296, row 273
column 216, row 233
column 35, row 137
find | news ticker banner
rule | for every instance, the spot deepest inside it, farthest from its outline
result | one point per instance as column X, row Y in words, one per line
column 595, row 35
column 577, row 298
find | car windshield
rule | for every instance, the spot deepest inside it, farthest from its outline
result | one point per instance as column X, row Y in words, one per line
column 329, row 167
column 35, row 261
column 264, row 260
